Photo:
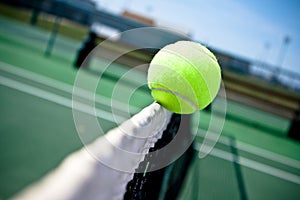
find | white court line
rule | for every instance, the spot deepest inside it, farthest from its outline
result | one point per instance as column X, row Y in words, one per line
column 100, row 99
column 104, row 115
column 255, row 150
column 63, row 86
column 268, row 154
column 63, row 101
column 253, row 165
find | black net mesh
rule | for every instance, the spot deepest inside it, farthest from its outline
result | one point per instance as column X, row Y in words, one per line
column 164, row 183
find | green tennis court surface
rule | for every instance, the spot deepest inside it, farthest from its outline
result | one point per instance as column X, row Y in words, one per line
column 37, row 128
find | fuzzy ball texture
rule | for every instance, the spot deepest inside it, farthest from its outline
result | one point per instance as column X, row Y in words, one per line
column 184, row 77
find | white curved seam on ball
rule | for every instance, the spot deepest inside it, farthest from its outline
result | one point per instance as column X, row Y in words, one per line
column 179, row 95
column 193, row 65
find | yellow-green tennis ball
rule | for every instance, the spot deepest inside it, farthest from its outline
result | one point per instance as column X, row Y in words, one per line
column 184, row 77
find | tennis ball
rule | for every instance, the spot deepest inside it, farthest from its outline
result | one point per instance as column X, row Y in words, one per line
column 184, row 77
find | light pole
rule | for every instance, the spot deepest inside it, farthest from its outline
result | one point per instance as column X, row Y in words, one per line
column 282, row 53
column 281, row 56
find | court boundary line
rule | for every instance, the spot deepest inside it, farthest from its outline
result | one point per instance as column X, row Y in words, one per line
column 101, row 114
column 254, row 150
column 246, row 162
column 54, row 98
column 50, row 82
column 59, row 85
column 48, row 96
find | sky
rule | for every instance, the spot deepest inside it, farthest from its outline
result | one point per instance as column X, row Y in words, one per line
column 253, row 29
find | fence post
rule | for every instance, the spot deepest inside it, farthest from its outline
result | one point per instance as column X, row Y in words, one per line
column 295, row 125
